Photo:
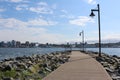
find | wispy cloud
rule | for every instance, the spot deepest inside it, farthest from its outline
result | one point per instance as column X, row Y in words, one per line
column 65, row 14
column 111, row 36
column 42, row 4
column 11, row 23
column 81, row 21
column 2, row 10
column 54, row 6
column 16, row 1
column 64, row 11
column 22, row 7
column 41, row 22
column 42, row 10
column 14, row 23
column 42, row 7
column 91, row 1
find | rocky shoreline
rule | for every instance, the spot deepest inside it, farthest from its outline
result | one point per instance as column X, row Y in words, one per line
column 33, row 67
column 111, row 63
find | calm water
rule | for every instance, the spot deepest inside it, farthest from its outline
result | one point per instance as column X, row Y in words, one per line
column 14, row 52
column 110, row 51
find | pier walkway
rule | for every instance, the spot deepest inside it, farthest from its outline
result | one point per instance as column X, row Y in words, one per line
column 80, row 67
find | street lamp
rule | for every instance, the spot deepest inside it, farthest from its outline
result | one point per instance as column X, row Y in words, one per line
column 82, row 33
column 92, row 15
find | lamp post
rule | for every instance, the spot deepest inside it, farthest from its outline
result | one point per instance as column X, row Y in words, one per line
column 92, row 15
column 82, row 33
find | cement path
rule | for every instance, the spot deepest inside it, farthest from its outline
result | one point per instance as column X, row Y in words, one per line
column 80, row 67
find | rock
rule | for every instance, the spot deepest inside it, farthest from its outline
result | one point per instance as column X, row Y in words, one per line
column 109, row 70
column 44, row 65
column 111, row 61
column 119, row 70
column 29, row 63
column 53, row 67
column 116, row 60
column 100, row 59
column 95, row 52
column 105, row 64
column 61, row 61
column 40, row 72
column 8, row 79
column 18, row 76
column 116, row 67
column 115, row 56
column 49, row 57
column 22, row 65
column 10, row 59
column 18, row 58
column 7, row 68
column 116, row 77
column 49, row 70
column 14, row 65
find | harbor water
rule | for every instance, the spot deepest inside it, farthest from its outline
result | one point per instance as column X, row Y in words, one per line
column 15, row 52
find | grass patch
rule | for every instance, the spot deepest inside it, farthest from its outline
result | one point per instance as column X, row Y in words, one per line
column 11, row 73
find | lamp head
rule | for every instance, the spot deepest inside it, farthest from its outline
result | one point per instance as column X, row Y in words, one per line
column 80, row 34
column 92, row 14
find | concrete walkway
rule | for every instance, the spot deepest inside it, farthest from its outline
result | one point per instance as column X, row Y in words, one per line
column 80, row 67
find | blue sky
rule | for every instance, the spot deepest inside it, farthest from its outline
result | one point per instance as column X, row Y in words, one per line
column 57, row 21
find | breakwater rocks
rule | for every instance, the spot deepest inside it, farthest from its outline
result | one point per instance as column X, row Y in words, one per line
column 111, row 63
column 33, row 67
